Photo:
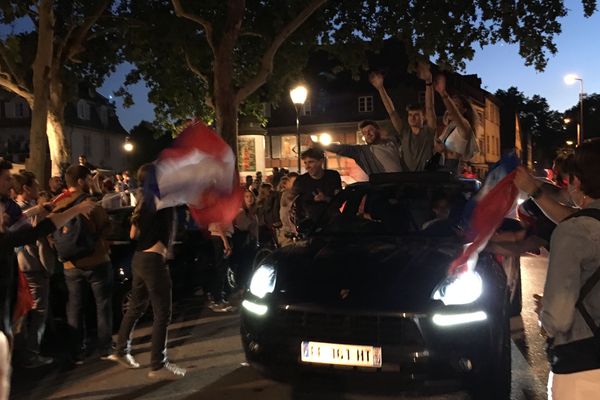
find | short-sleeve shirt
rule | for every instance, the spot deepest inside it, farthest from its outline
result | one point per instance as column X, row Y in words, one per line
column 306, row 187
column 416, row 150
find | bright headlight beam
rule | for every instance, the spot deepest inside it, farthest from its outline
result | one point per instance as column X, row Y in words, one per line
column 457, row 319
column 263, row 281
column 463, row 288
column 258, row 309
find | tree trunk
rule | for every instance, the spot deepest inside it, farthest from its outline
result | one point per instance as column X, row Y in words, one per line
column 41, row 70
column 226, row 106
column 60, row 148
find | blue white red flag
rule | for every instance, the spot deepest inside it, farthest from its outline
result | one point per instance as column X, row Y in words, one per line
column 496, row 199
column 199, row 170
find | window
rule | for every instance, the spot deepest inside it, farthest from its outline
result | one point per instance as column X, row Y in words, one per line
column 106, row 147
column 307, row 108
column 266, row 110
column 104, row 116
column 20, row 110
column 87, row 146
column 83, row 110
column 365, row 104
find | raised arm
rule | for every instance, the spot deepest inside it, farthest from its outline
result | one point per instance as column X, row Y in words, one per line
column 461, row 122
column 376, row 79
column 424, row 73
column 543, row 198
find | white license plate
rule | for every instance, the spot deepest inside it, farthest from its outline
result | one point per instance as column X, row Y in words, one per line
column 340, row 354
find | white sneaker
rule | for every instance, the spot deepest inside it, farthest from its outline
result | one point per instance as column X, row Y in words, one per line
column 127, row 360
column 169, row 371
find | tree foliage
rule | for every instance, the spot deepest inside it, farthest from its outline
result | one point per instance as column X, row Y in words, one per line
column 538, row 121
column 84, row 43
column 591, row 117
column 180, row 64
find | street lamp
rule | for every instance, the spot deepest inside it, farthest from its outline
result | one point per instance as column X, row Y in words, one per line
column 298, row 95
column 570, row 79
column 128, row 146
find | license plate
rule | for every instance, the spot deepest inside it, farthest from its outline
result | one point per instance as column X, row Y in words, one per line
column 340, row 354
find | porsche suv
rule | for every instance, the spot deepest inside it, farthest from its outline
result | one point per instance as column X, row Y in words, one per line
column 369, row 290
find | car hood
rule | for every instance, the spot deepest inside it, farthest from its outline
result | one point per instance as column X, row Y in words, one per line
column 387, row 274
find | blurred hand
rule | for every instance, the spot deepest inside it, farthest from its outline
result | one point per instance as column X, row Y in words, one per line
column 438, row 146
column 524, row 181
column 227, row 251
column 439, row 84
column 538, row 300
column 423, row 71
column 376, row 79
column 320, row 196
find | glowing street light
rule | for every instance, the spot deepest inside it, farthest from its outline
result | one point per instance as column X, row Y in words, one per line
column 569, row 143
column 298, row 96
column 570, row 79
column 323, row 138
column 128, row 146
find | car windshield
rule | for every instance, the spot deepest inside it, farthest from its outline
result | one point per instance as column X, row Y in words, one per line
column 398, row 209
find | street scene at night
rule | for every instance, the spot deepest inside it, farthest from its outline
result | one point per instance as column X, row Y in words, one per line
column 310, row 199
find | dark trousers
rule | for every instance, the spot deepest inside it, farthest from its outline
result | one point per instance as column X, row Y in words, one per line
column 151, row 284
column 35, row 322
column 219, row 276
column 100, row 279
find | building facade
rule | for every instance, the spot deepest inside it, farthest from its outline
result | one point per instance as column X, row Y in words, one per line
column 91, row 128
column 336, row 104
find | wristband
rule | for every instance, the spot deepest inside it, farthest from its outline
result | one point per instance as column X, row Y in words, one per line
column 536, row 193
column 428, row 84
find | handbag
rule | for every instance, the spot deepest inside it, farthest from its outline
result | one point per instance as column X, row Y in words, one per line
column 584, row 354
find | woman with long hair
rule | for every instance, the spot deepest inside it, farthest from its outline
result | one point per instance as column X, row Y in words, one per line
column 457, row 142
column 245, row 237
column 153, row 230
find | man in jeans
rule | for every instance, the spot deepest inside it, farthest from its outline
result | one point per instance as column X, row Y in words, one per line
column 35, row 260
column 94, row 270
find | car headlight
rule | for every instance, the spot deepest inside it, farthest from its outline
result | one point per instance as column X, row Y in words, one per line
column 463, row 288
column 263, row 281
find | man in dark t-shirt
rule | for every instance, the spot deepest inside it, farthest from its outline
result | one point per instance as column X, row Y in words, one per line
column 315, row 188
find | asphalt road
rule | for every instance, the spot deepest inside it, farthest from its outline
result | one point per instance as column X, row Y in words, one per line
column 209, row 346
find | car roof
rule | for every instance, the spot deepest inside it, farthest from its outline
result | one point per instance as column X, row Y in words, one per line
column 421, row 178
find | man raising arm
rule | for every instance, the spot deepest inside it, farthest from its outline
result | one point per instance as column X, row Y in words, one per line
column 416, row 139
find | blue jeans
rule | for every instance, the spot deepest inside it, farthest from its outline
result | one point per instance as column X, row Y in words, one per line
column 151, row 284
column 100, row 279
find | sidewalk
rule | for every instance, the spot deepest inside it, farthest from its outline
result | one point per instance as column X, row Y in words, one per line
column 199, row 340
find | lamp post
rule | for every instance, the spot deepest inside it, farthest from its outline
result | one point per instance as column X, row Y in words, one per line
column 568, row 121
column 569, row 80
column 298, row 95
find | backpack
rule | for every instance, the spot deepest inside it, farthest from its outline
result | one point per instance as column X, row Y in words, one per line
column 583, row 354
column 75, row 240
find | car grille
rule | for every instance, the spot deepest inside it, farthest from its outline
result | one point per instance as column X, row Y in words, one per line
column 372, row 329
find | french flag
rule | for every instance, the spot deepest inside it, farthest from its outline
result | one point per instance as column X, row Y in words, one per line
column 199, row 170
column 493, row 202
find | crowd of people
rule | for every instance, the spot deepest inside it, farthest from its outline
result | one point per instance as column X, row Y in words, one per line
column 66, row 225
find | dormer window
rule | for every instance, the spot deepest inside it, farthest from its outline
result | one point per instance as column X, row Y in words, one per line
column 83, row 110
column 307, row 108
column 365, row 104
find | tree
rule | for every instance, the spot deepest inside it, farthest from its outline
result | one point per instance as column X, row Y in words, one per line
column 543, row 125
column 70, row 47
column 591, row 117
column 222, row 53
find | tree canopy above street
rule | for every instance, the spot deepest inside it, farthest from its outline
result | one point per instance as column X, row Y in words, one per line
column 184, row 67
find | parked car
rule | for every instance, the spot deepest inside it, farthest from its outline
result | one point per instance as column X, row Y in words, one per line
column 369, row 291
